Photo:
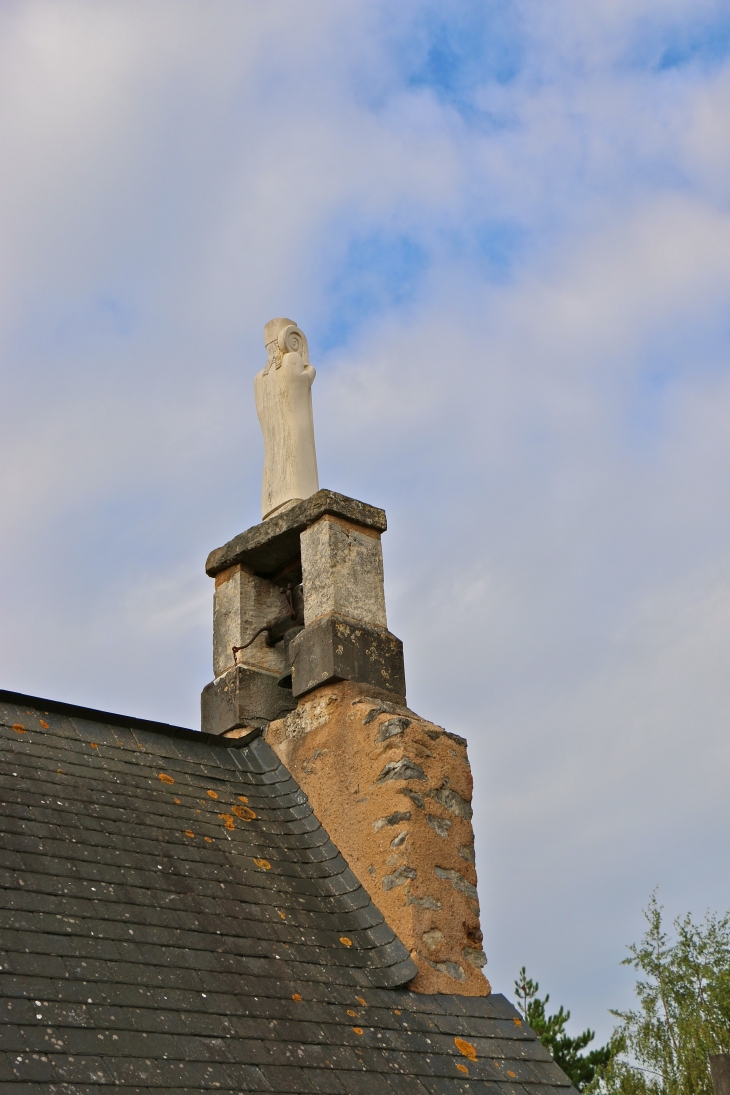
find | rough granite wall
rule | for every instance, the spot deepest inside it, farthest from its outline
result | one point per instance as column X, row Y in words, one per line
column 394, row 793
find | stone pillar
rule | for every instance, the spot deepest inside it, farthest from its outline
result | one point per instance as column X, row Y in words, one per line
column 245, row 691
column 346, row 635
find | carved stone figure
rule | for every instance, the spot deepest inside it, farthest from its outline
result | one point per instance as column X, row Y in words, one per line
column 283, row 391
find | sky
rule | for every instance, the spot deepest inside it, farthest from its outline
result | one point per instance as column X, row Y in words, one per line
column 505, row 228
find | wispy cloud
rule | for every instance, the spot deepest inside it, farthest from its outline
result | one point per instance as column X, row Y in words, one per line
column 505, row 228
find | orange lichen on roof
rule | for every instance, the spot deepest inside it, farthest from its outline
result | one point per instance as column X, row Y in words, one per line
column 208, row 839
column 19, row 728
column 44, row 724
column 358, row 1030
column 242, row 798
column 244, row 812
column 352, row 1013
column 212, row 794
column 263, row 863
column 177, row 800
column 463, row 1068
column 512, row 1074
column 281, row 914
column 189, row 832
column 227, row 820
column 517, row 1022
column 296, row 996
column 345, row 941
column 360, row 1000
column 94, row 745
column 165, row 778
column 466, row 1048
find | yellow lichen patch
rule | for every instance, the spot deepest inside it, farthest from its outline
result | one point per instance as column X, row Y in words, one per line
column 19, row 728
column 44, row 724
column 165, row 778
column 345, row 941
column 244, row 812
column 463, row 1068
column 281, row 914
column 263, row 863
column 397, row 1011
column 208, row 839
column 212, row 794
column 94, row 745
column 242, row 798
column 352, row 1013
column 360, row 1000
column 227, row 820
column 466, row 1048
column 296, row 996
column 358, row 1030
column 517, row 1022
column 189, row 832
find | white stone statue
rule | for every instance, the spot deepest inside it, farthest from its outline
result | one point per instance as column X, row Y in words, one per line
column 283, row 391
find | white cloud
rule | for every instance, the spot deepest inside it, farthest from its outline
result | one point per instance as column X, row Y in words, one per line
column 550, row 436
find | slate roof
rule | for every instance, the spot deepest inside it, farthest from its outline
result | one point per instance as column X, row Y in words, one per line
column 173, row 918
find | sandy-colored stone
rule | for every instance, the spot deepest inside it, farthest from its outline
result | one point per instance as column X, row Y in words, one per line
column 342, row 568
column 394, row 793
column 242, row 603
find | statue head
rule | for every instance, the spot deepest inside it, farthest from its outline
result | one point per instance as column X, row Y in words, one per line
column 282, row 336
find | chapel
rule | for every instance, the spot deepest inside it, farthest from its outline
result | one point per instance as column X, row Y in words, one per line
column 284, row 900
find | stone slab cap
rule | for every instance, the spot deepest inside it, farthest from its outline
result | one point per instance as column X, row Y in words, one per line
column 336, row 649
column 268, row 547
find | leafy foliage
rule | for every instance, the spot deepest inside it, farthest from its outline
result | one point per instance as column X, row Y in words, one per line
column 684, row 1009
column 550, row 1029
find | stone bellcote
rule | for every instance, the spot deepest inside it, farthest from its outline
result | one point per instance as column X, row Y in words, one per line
column 302, row 653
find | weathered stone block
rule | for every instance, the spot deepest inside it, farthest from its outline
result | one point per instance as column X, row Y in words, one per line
column 243, row 697
column 267, row 547
column 342, row 571
column 335, row 649
column 243, row 603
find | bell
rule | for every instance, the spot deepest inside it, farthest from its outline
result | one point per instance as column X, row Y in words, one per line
column 285, row 681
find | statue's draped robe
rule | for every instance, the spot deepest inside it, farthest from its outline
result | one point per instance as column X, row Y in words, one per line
column 283, row 391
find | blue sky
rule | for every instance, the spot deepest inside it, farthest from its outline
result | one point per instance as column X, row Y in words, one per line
column 505, row 228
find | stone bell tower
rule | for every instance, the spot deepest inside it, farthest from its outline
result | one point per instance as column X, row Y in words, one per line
column 302, row 654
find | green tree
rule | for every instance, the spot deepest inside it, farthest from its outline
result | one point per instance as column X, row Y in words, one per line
column 550, row 1029
column 684, row 1009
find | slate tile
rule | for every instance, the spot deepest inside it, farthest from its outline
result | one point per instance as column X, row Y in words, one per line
column 372, row 1083
column 41, row 965
column 327, row 1082
column 30, row 1067
column 12, row 1039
